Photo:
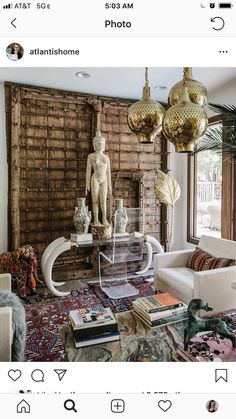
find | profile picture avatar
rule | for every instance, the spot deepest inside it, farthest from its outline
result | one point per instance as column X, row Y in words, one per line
column 212, row 406
column 15, row 51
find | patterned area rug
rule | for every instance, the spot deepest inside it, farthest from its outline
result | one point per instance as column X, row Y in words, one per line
column 45, row 315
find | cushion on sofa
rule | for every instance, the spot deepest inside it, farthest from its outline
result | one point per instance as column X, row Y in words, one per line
column 178, row 281
column 203, row 261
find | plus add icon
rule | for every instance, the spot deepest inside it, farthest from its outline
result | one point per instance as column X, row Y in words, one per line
column 117, row 406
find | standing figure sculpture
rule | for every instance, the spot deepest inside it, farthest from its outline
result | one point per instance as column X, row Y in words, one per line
column 98, row 179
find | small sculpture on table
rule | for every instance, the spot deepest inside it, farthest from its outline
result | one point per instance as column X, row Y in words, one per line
column 98, row 182
column 196, row 324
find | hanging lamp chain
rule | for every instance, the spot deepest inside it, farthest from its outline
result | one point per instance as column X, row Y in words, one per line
column 146, row 76
column 185, row 75
column 185, row 72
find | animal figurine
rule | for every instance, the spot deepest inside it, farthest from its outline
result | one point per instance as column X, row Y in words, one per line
column 222, row 326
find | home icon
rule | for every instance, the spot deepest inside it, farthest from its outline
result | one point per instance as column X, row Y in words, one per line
column 23, row 407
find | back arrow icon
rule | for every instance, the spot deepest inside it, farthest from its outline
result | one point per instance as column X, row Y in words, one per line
column 220, row 20
column 12, row 22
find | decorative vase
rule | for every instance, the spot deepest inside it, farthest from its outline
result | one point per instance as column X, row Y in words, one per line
column 121, row 216
column 82, row 217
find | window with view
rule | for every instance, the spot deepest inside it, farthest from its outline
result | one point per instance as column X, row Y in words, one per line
column 210, row 191
column 208, row 186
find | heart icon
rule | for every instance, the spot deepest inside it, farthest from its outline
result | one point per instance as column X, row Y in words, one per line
column 164, row 405
column 14, row 374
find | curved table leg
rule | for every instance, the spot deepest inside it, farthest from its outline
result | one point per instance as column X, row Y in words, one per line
column 47, row 253
column 155, row 243
column 148, row 261
column 149, row 241
column 54, row 253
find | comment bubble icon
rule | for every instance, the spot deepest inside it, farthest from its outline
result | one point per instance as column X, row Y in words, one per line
column 37, row 376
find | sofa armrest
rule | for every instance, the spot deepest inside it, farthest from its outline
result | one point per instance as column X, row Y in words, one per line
column 5, row 333
column 215, row 286
column 5, row 282
column 174, row 259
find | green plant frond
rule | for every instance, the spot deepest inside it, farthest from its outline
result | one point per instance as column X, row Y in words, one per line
column 227, row 113
column 219, row 141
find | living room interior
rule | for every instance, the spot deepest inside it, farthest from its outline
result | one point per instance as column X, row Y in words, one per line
column 117, row 211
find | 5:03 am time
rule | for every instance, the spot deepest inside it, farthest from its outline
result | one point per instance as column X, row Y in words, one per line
column 119, row 5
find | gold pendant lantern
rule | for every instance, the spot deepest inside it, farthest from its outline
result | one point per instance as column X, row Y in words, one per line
column 145, row 117
column 185, row 123
column 197, row 92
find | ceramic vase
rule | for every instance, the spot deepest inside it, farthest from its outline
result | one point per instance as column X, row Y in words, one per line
column 82, row 217
column 121, row 216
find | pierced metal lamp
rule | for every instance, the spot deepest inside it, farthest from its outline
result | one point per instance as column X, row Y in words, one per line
column 185, row 123
column 197, row 92
column 145, row 117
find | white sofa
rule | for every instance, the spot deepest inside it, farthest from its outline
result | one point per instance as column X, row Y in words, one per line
column 5, row 322
column 216, row 286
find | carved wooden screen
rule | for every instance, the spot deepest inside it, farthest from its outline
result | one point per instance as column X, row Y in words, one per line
column 49, row 142
column 49, row 136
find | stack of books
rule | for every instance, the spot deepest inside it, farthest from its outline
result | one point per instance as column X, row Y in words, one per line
column 95, row 325
column 160, row 309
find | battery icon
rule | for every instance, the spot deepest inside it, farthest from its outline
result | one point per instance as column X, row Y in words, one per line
column 225, row 5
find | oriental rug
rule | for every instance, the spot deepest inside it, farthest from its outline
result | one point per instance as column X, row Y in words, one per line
column 46, row 314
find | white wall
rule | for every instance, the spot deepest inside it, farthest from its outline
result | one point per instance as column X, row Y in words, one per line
column 3, row 174
column 178, row 165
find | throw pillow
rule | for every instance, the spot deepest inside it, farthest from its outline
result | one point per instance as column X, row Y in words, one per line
column 202, row 261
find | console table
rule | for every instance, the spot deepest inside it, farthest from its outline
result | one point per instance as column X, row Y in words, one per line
column 60, row 245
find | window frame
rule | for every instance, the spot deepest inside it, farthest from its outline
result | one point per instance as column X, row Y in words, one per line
column 228, row 229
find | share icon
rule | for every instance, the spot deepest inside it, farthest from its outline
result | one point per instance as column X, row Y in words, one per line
column 60, row 373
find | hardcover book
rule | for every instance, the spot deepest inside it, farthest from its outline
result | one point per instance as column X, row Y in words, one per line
column 91, row 317
column 158, row 302
column 95, row 331
column 109, row 337
column 164, row 321
column 160, row 314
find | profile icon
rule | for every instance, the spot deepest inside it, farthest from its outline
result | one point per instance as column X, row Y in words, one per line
column 212, row 406
column 14, row 51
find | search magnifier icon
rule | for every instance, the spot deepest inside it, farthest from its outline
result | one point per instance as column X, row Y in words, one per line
column 69, row 404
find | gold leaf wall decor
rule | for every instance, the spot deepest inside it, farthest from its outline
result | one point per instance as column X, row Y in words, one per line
column 167, row 189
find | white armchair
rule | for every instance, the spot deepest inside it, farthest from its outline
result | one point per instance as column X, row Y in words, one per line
column 213, row 286
column 5, row 322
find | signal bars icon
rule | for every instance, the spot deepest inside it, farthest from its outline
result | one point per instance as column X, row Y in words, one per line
column 8, row 6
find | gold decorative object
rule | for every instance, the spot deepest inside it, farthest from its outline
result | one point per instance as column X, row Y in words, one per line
column 185, row 123
column 145, row 117
column 167, row 191
column 197, row 92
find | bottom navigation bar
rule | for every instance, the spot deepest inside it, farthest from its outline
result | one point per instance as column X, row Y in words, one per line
column 127, row 405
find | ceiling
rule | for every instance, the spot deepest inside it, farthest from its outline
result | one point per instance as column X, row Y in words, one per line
column 118, row 82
